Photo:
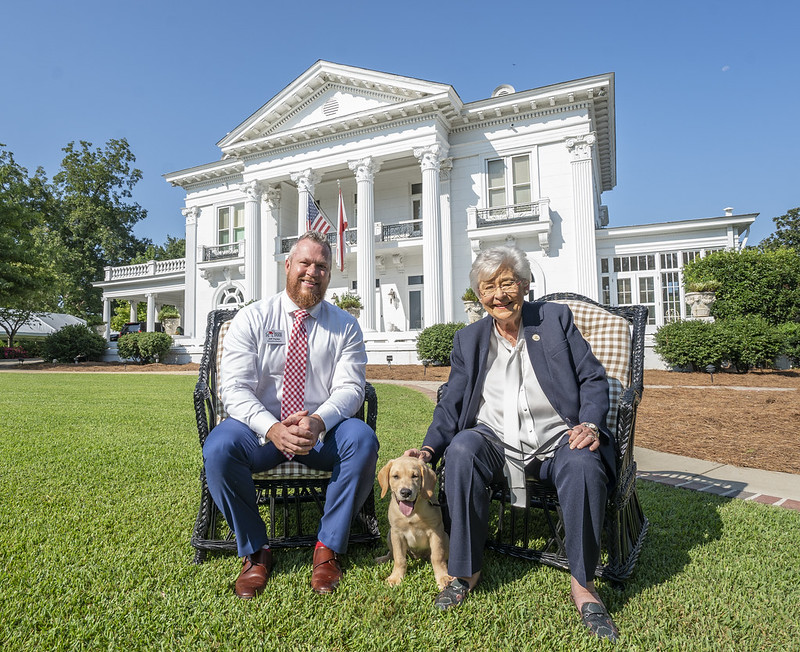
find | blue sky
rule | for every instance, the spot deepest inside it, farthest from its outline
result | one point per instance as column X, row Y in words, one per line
column 707, row 91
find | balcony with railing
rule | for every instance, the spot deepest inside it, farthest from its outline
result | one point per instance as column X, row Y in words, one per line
column 396, row 231
column 214, row 253
column 152, row 268
column 531, row 218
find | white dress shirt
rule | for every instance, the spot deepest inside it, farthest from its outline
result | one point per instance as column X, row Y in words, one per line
column 515, row 407
column 254, row 358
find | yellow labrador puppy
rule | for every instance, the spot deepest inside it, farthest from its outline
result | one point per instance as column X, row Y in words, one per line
column 415, row 523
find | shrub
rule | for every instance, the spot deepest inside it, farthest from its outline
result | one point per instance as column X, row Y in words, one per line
column 469, row 295
column 72, row 342
column 693, row 343
column 791, row 342
column 752, row 341
column 765, row 283
column 435, row 343
column 144, row 347
column 168, row 312
column 13, row 353
column 347, row 300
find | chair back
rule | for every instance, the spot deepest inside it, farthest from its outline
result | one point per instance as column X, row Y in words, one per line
column 616, row 336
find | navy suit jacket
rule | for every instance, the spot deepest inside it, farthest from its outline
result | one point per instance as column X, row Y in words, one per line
column 571, row 377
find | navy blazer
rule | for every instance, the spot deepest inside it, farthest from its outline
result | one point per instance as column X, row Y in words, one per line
column 572, row 379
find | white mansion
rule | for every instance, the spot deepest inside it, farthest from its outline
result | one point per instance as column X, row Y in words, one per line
column 428, row 181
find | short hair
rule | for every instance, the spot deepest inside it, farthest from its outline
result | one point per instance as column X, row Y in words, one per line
column 315, row 236
column 488, row 262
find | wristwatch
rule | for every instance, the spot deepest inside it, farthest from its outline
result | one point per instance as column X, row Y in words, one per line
column 591, row 427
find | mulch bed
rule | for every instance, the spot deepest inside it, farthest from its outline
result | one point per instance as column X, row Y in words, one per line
column 687, row 414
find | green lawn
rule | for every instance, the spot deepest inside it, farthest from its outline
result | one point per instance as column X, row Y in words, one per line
column 99, row 492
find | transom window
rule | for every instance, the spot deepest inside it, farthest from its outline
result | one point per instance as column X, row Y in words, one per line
column 509, row 181
column 230, row 224
column 231, row 296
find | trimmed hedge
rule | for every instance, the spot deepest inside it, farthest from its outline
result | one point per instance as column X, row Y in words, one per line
column 435, row 343
column 742, row 342
column 72, row 342
column 144, row 347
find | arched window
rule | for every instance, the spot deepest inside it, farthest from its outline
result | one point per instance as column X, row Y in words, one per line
column 230, row 297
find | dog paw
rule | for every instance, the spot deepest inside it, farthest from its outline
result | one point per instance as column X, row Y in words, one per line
column 394, row 579
column 443, row 581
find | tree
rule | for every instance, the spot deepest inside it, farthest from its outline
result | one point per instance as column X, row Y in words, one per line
column 22, row 274
column 173, row 248
column 787, row 233
column 21, row 200
column 91, row 227
column 751, row 282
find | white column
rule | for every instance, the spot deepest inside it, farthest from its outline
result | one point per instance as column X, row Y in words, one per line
column 365, row 170
column 134, row 313
column 107, row 317
column 447, row 240
column 305, row 181
column 190, row 316
column 270, row 241
column 151, row 312
column 430, row 159
column 252, row 240
column 581, row 150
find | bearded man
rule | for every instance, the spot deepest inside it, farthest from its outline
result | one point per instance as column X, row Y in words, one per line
column 293, row 374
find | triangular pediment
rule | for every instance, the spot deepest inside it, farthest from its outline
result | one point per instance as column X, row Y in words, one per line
column 327, row 93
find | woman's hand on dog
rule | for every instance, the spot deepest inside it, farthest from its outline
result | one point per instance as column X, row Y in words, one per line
column 425, row 455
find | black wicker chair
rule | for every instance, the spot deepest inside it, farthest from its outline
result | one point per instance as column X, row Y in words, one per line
column 616, row 335
column 293, row 495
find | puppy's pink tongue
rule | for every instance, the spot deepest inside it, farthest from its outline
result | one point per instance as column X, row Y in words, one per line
column 406, row 507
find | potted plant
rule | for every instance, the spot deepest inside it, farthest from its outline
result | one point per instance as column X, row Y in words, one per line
column 700, row 294
column 349, row 302
column 170, row 319
column 472, row 305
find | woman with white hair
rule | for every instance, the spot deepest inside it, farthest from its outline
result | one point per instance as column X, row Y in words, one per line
column 525, row 395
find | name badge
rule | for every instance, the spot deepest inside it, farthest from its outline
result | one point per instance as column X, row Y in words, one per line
column 275, row 337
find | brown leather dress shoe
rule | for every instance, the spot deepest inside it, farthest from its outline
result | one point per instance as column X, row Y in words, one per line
column 327, row 570
column 255, row 572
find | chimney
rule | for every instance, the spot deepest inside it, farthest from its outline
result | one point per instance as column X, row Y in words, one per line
column 729, row 211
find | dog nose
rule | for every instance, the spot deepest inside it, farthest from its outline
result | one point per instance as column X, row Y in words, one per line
column 405, row 493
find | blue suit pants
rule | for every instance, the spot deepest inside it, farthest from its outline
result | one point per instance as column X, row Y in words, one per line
column 472, row 462
column 232, row 454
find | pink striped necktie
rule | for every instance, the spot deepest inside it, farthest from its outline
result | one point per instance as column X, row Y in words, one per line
column 294, row 376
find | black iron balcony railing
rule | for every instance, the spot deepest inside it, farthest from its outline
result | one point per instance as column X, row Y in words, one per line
column 222, row 252
column 513, row 214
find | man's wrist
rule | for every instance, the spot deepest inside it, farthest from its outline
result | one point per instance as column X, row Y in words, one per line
column 429, row 451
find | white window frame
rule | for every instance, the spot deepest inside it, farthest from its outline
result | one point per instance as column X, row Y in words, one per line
column 234, row 233
column 509, row 186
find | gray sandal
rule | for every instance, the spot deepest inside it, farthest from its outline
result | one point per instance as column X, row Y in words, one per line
column 452, row 595
column 596, row 619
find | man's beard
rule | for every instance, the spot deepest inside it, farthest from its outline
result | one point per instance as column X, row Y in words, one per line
column 303, row 297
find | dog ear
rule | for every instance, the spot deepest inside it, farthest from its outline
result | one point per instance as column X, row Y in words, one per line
column 383, row 478
column 428, row 481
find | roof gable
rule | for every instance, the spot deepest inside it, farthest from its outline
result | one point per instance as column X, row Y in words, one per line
column 329, row 92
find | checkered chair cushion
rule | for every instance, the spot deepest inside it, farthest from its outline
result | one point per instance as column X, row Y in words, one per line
column 289, row 470
column 609, row 336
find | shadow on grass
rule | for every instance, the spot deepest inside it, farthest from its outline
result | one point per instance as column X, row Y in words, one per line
column 680, row 520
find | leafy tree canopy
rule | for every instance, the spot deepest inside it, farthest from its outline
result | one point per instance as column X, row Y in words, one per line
column 787, row 232
column 91, row 227
column 751, row 282
column 173, row 248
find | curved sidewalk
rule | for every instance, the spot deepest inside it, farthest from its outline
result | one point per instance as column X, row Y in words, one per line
column 767, row 487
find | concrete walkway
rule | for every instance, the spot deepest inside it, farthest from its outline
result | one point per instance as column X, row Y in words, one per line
column 768, row 487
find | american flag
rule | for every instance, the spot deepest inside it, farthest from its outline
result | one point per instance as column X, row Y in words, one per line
column 316, row 219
